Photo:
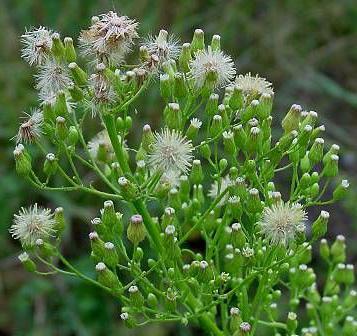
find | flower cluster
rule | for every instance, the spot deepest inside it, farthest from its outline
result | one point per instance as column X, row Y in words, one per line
column 211, row 173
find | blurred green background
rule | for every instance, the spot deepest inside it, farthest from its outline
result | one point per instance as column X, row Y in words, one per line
column 307, row 48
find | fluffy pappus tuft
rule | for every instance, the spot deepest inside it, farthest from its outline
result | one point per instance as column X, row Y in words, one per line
column 109, row 37
column 31, row 224
column 213, row 64
column 31, row 128
column 254, row 85
column 37, row 44
column 282, row 221
column 171, row 151
column 52, row 77
column 163, row 45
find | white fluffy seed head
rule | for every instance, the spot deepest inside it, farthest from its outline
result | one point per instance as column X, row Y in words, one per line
column 212, row 63
column 171, row 151
column 281, row 222
column 253, row 85
column 37, row 44
column 109, row 38
column 164, row 46
column 31, row 224
column 30, row 129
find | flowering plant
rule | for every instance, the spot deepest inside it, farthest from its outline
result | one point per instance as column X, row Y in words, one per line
column 209, row 173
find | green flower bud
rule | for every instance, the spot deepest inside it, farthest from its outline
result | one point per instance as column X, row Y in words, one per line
column 304, row 137
column 198, row 41
column 128, row 123
column 333, row 150
column 212, row 105
column 167, row 217
column 26, row 261
column 216, row 43
column 254, row 204
column 254, row 142
column 97, row 244
column 314, row 190
column 59, row 220
column 250, row 111
column 128, row 190
column 319, row 226
column 136, row 230
column 192, row 131
column 237, row 236
column 180, row 85
column 75, row 92
column 106, row 277
column 61, row 128
column 44, row 248
column 349, row 326
column 185, row 57
column 165, row 86
column 310, row 119
column 171, row 297
column 22, row 160
column 152, row 301
column 69, row 51
column 110, row 256
column 338, row 250
column 73, row 136
column 147, row 138
column 244, row 328
column 170, row 243
column 324, row 250
column 341, row 190
column 235, row 319
column 196, row 175
column 128, row 319
column 222, row 164
column 136, row 298
column 205, row 150
column 291, row 322
column 317, row 151
column 57, row 46
column 172, row 115
column 235, row 207
column 48, row 112
column 50, row 165
column 265, row 106
column 229, row 144
column 144, row 54
column 240, row 137
column 78, row 74
column 205, row 273
column 222, row 111
column 315, row 177
column 305, row 163
column 174, row 198
column 292, row 118
column 331, row 166
column 236, row 99
column 216, row 126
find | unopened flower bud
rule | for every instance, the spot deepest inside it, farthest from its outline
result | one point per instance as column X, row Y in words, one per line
column 341, row 190
column 57, row 49
column 338, row 250
column 185, row 57
column 147, row 138
column 78, row 74
column 324, row 249
column 69, row 51
column 136, row 230
column 136, row 298
column 26, row 261
column 319, row 226
column 128, row 189
column 292, row 118
column 331, row 166
column 172, row 115
column 216, row 126
column 229, row 144
column 198, row 41
column 192, row 130
column 106, row 277
column 50, row 165
column 22, row 160
column 196, row 175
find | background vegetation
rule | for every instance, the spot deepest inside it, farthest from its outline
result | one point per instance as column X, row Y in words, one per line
column 307, row 48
